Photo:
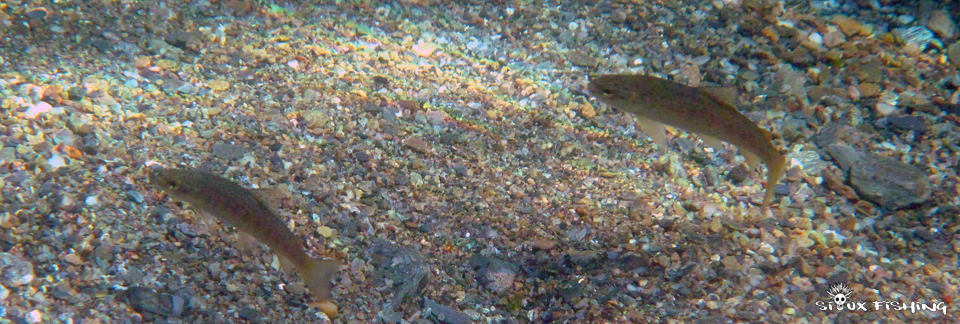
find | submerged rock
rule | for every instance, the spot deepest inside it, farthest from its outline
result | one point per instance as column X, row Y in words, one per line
column 443, row 313
column 403, row 266
column 14, row 271
column 151, row 304
column 888, row 182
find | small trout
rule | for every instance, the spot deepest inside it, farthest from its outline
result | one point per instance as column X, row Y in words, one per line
column 706, row 111
column 238, row 207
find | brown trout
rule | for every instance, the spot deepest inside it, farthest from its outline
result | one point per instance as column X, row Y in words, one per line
column 708, row 112
column 225, row 200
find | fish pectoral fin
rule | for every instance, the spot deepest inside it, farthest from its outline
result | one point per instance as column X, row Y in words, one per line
column 655, row 130
column 716, row 144
column 316, row 275
column 727, row 95
column 209, row 222
column 752, row 161
column 246, row 239
column 281, row 263
column 272, row 197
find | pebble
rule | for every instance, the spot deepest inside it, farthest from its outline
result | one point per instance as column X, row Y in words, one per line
column 218, row 85
column 920, row 36
column 579, row 58
column 227, row 151
column 495, row 274
column 444, row 313
column 151, row 304
column 249, row 314
column 34, row 316
column 56, row 161
column 142, row 62
column 36, row 13
column 4, row 293
column 953, row 53
column 362, row 156
column 436, row 117
column 135, row 196
column 39, row 108
column 425, row 49
column 544, row 244
column 417, row 144
column 401, row 265
column 843, row 155
column 908, row 123
column 884, row 108
column 587, row 111
column 325, row 231
column 411, row 105
column 381, row 80
column 833, row 38
column 14, row 271
column 73, row 259
column 889, row 183
column 8, row 154
column 868, row 90
column 942, row 25
column 848, row 26
column 738, row 174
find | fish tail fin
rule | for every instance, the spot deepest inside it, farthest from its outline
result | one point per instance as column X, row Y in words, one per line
column 316, row 275
column 775, row 171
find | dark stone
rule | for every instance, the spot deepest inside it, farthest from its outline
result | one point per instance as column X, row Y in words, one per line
column 908, row 123
column 249, row 314
column 444, row 314
column 362, row 156
column 844, row 155
column 381, row 80
column 738, row 174
column 227, row 151
column 888, row 182
column 151, row 304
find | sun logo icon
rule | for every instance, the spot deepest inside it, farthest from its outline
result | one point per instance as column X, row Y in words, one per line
column 840, row 293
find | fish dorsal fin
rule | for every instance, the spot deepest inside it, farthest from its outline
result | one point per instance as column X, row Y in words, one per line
column 272, row 197
column 727, row 95
column 716, row 144
column 655, row 130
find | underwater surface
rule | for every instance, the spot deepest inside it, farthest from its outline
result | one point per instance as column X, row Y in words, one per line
column 479, row 161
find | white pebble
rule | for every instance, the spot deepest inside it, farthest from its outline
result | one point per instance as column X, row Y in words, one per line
column 56, row 161
column 885, row 109
column 816, row 38
column 38, row 109
column 34, row 317
column 91, row 201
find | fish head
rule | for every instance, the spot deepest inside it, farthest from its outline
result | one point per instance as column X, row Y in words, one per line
column 613, row 90
column 176, row 182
